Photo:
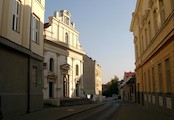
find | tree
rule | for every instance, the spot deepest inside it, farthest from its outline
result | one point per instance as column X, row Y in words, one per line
column 112, row 87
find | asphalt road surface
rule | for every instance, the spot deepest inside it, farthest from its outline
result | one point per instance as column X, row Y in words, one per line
column 108, row 111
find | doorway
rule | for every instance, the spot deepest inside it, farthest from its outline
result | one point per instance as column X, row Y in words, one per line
column 77, row 89
column 51, row 89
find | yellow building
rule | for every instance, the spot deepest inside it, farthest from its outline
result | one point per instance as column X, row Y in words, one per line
column 153, row 29
column 21, row 56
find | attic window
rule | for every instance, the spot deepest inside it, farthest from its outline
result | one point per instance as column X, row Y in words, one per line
column 66, row 20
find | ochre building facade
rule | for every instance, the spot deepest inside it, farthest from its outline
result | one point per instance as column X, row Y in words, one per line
column 153, row 28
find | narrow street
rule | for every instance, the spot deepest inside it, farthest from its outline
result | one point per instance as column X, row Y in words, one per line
column 117, row 110
column 111, row 110
column 108, row 111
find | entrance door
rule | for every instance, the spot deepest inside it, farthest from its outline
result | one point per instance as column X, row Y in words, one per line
column 51, row 88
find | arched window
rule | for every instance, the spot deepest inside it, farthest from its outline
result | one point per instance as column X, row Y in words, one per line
column 51, row 65
column 66, row 38
column 77, row 70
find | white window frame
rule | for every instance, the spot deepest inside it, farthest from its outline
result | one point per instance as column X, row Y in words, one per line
column 16, row 15
column 35, row 27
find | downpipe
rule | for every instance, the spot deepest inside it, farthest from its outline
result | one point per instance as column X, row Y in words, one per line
column 1, row 116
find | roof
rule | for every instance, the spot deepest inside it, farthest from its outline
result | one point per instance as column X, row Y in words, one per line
column 46, row 25
column 128, row 74
column 129, row 79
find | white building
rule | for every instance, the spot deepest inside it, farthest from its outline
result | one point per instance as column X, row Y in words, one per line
column 63, row 59
column 92, row 78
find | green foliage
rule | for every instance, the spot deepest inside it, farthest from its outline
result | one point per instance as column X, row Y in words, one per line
column 112, row 87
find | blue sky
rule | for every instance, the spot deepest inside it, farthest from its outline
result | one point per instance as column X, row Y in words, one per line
column 104, row 31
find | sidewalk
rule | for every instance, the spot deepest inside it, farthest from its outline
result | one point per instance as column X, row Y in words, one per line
column 133, row 111
column 57, row 113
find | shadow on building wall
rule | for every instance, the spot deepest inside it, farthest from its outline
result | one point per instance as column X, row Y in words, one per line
column 20, row 85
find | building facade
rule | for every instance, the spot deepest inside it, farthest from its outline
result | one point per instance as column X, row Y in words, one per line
column 153, row 29
column 63, row 59
column 92, row 78
column 127, row 87
column 21, row 56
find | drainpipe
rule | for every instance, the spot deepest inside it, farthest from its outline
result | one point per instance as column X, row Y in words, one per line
column 1, row 117
column 29, row 62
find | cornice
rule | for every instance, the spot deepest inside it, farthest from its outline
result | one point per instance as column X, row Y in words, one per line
column 64, row 46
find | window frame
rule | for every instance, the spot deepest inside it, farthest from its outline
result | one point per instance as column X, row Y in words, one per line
column 162, row 11
column 34, row 76
column 168, row 75
column 66, row 38
column 149, row 80
column 66, row 20
column 77, row 70
column 35, row 28
column 51, row 65
column 16, row 15
column 153, row 79
column 160, row 77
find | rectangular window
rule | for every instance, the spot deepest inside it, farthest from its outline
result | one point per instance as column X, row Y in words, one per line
column 149, row 80
column 34, row 76
column 155, row 17
column 149, row 28
column 162, row 12
column 16, row 15
column 168, row 76
column 136, row 51
column 153, row 79
column 35, row 29
column 146, row 37
column 77, row 70
column 145, row 85
column 160, row 77
column 142, row 45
